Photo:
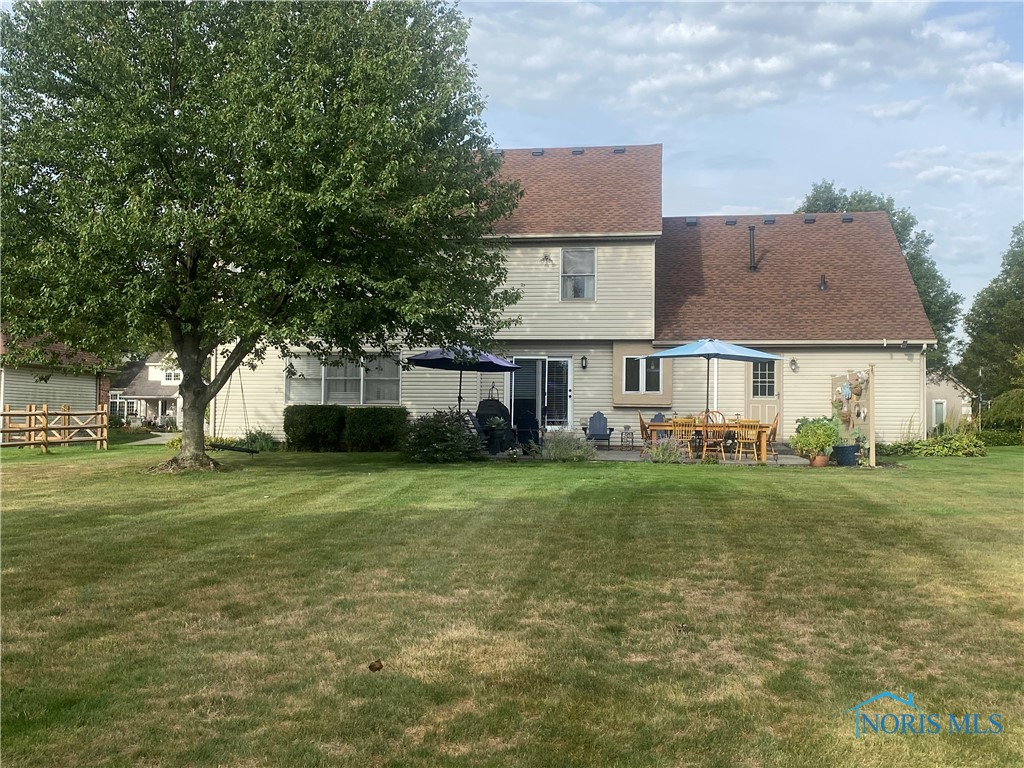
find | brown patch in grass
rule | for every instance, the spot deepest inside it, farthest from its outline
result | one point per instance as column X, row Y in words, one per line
column 437, row 719
column 464, row 647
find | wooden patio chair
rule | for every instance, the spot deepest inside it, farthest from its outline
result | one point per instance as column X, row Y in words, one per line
column 597, row 429
column 773, row 433
column 746, row 437
column 682, row 432
column 713, row 435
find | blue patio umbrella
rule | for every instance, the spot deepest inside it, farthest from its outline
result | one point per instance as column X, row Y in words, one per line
column 462, row 359
column 715, row 349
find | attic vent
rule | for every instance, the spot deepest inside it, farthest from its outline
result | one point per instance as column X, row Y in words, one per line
column 822, row 283
column 497, row 151
column 577, row 150
column 538, row 152
column 618, row 150
column 769, row 219
column 808, row 219
column 847, row 218
column 730, row 222
column 691, row 221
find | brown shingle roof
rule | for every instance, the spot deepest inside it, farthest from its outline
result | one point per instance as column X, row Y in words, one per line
column 596, row 192
column 704, row 287
column 52, row 354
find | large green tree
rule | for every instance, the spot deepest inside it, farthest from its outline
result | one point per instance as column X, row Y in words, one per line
column 246, row 176
column 941, row 304
column 992, row 358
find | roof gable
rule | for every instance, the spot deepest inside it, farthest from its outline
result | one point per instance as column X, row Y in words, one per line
column 704, row 286
column 585, row 191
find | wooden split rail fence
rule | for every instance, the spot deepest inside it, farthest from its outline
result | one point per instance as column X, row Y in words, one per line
column 44, row 428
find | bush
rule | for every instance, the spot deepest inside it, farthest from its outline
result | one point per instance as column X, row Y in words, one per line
column 1006, row 411
column 1001, row 436
column 441, row 438
column 315, row 427
column 953, row 444
column 565, row 446
column 667, row 451
column 376, row 429
column 115, row 420
column 258, row 440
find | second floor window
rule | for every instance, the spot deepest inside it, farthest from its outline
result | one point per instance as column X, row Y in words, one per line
column 172, row 375
column 579, row 271
column 643, row 375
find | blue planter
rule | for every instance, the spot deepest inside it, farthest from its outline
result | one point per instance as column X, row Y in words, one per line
column 845, row 455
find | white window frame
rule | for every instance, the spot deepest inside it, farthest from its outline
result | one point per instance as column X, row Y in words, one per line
column 323, row 378
column 764, row 381
column 945, row 412
column 642, row 363
column 562, row 275
column 172, row 374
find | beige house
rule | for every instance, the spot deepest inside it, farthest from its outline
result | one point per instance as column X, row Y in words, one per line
column 147, row 391
column 948, row 402
column 606, row 280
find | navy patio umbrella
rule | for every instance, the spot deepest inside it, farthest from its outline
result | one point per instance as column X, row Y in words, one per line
column 721, row 350
column 462, row 359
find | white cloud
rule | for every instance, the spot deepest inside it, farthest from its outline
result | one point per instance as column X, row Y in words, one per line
column 675, row 60
column 942, row 166
column 894, row 110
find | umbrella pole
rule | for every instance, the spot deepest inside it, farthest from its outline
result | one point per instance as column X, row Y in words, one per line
column 707, row 390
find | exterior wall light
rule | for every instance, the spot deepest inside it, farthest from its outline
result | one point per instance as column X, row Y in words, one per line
column 794, row 366
column 583, row 362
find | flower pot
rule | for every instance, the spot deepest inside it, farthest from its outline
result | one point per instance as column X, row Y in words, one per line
column 846, row 455
column 819, row 460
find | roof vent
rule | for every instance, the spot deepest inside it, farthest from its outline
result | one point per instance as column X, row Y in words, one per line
column 769, row 219
column 497, row 151
column 847, row 218
column 691, row 221
column 730, row 222
column 538, row 152
column 808, row 219
column 822, row 283
column 618, row 150
column 577, row 150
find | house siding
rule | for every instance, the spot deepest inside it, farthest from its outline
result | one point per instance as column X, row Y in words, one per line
column 623, row 305
column 21, row 389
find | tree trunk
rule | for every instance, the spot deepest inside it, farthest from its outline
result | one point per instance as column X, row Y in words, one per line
column 195, row 395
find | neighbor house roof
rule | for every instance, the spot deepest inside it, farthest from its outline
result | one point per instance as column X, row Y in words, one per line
column 704, row 286
column 585, row 191
column 52, row 354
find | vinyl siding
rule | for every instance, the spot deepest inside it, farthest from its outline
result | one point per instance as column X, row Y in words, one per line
column 623, row 307
column 21, row 389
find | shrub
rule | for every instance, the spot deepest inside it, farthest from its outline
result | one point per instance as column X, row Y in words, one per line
column 441, row 438
column 376, row 429
column 115, row 420
column 667, row 451
column 258, row 440
column 565, row 446
column 953, row 444
column 315, row 427
column 1006, row 411
column 1001, row 436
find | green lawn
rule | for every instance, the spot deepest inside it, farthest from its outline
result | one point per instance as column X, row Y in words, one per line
column 531, row 614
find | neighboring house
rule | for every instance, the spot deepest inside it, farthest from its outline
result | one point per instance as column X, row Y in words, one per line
column 948, row 401
column 54, row 386
column 607, row 280
column 147, row 391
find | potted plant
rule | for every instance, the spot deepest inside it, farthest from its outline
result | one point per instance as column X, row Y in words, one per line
column 845, row 451
column 815, row 438
column 496, row 428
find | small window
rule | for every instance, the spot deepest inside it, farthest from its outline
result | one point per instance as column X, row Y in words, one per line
column 579, row 270
column 172, row 375
column 642, row 375
column 764, row 379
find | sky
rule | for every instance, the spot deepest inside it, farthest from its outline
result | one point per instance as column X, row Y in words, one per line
column 755, row 102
